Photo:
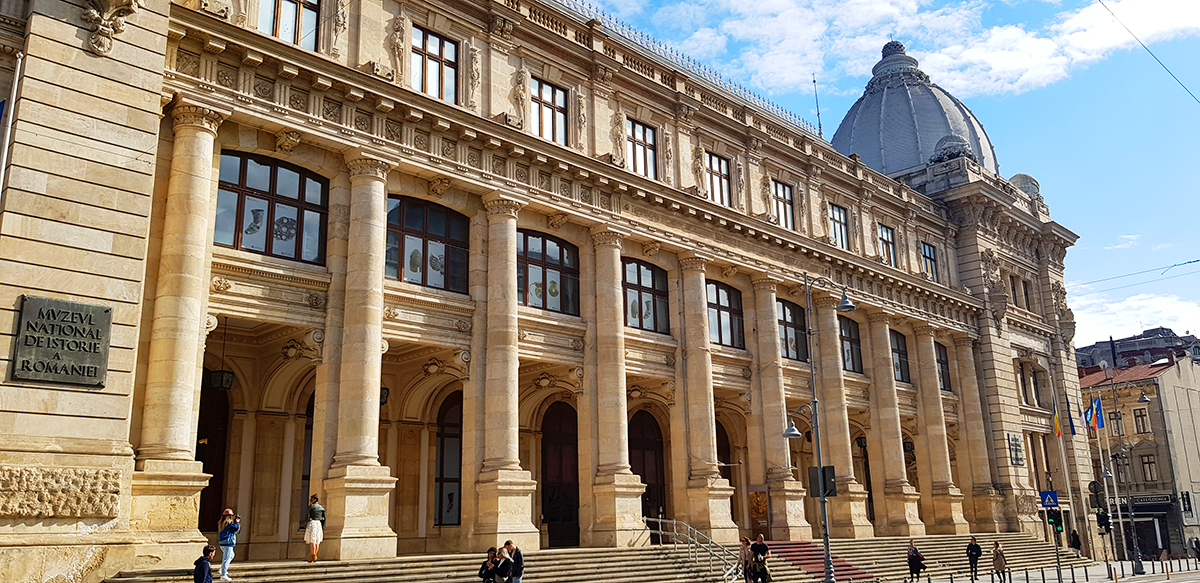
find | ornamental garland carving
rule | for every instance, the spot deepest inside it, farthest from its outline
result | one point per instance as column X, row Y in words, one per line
column 40, row 492
column 557, row 220
column 107, row 19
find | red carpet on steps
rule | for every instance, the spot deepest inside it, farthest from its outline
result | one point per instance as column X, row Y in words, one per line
column 809, row 556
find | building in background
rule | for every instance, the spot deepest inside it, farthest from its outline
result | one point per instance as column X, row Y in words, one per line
column 1150, row 346
column 1161, row 434
column 495, row 269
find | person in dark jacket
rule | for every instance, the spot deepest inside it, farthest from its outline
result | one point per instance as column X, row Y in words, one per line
column 504, row 567
column 974, row 551
column 227, row 528
column 916, row 562
column 314, row 530
column 518, row 559
column 1076, row 543
column 203, row 572
column 488, row 569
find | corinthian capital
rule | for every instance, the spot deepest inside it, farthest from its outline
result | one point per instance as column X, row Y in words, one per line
column 500, row 205
column 197, row 115
column 369, row 167
column 607, row 237
column 693, row 263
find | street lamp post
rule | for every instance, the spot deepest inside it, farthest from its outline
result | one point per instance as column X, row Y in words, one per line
column 1123, row 455
column 814, row 407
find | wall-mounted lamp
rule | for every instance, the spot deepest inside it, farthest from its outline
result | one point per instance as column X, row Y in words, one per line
column 383, row 396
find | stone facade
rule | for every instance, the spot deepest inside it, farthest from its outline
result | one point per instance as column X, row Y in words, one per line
column 326, row 225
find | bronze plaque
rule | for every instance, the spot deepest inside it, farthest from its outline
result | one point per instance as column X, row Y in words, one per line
column 62, row 342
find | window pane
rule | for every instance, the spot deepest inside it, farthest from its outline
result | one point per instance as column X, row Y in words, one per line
column 711, row 291
column 536, row 292
column 414, row 258
column 435, row 276
column 553, row 290
column 535, row 249
column 433, row 46
column 437, row 221
column 458, row 228
column 535, row 120
column 560, row 128
column 414, row 216
column 647, row 309
column 226, row 219
column 737, row 337
column 287, row 22
column 651, row 164
column 449, row 51
column 551, row 251
column 520, row 282
column 631, row 272
column 416, row 68
column 254, row 235
column 633, row 315
column 308, row 38
column 432, row 82
column 258, row 176
column 393, row 211
column 314, row 192
column 547, row 122
column 662, row 315
column 714, row 326
column 448, row 92
column 391, row 261
column 570, row 286
column 231, row 168
column 287, row 183
column 284, row 231
column 418, row 38
column 726, row 328
column 456, row 269
column 266, row 17
column 570, row 257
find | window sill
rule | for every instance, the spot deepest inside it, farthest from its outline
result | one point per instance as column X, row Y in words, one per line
column 276, row 266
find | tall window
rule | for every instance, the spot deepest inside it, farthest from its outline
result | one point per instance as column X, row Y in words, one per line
column 785, row 206
column 434, row 69
column 725, row 315
column 791, row 330
column 1037, row 387
column 900, row 357
column 1141, row 422
column 1025, row 294
column 1024, row 383
column 1012, row 289
column 448, row 466
column 293, row 21
column 270, row 207
column 547, row 273
column 1149, row 469
column 646, row 299
column 887, row 244
column 839, row 226
column 943, row 366
column 640, row 148
column 716, row 172
column 1114, row 423
column 929, row 261
column 851, row 344
column 548, row 115
column 428, row 243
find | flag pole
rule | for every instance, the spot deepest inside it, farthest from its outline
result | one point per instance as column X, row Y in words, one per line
column 1062, row 448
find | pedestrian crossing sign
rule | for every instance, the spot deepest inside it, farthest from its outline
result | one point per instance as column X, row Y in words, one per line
column 1049, row 499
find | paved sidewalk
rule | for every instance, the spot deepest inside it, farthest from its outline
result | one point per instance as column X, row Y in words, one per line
column 1180, row 571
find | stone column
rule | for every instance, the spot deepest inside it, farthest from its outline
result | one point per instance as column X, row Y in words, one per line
column 847, row 510
column 899, row 497
column 947, row 508
column 617, row 490
column 504, row 489
column 708, row 493
column 985, row 507
column 787, row 495
column 167, row 481
column 358, row 487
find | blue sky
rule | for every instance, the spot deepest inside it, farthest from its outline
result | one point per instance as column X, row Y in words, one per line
column 1065, row 94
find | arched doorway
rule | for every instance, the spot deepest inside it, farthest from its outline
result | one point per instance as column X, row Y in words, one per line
column 448, row 470
column 647, row 461
column 560, row 475
column 212, row 437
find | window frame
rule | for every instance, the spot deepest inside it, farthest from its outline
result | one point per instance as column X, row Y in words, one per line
column 797, row 325
column 1149, row 467
column 647, row 147
column 442, row 433
column 403, row 231
column 1141, row 420
column 1025, row 294
column 899, row 345
column 1115, row 423
column 447, row 68
column 942, row 357
column 785, row 204
column 559, row 113
column 272, row 198
column 929, row 261
column 276, row 10
column 887, row 244
column 717, row 179
column 661, row 298
column 566, row 273
column 737, row 322
column 839, row 226
column 850, row 339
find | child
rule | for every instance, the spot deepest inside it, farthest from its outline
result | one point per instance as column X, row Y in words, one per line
column 203, row 573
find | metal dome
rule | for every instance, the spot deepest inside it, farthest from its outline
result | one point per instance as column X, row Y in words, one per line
column 902, row 118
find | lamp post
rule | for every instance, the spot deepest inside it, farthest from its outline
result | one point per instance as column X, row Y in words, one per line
column 814, row 407
column 1166, row 444
column 1121, row 458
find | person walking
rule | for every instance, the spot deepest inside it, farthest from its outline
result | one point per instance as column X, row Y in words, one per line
column 999, row 565
column 227, row 530
column 504, row 567
column 487, row 570
column 744, row 557
column 1196, row 547
column 916, row 562
column 518, row 559
column 759, row 553
column 203, row 572
column 973, row 553
column 1076, row 543
column 314, row 532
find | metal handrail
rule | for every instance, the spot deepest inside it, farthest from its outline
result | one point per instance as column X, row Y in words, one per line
column 697, row 542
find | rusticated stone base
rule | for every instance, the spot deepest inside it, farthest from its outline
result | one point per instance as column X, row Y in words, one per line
column 709, row 509
column 903, row 514
column 947, row 511
column 788, row 521
column 357, row 513
column 848, row 512
column 619, row 521
column 505, row 510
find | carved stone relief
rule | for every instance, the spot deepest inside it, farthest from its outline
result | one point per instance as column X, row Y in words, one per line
column 107, row 19
column 476, row 77
column 29, row 492
column 520, row 95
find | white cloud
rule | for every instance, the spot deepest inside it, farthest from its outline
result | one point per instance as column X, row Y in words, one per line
column 705, row 43
column 1098, row 317
column 1162, row 246
column 1127, row 241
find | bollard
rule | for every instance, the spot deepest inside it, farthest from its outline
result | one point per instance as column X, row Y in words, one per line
column 1043, row 570
column 993, row 574
column 1026, row 575
column 1153, row 568
column 928, row 578
column 1167, row 570
column 951, row 577
column 1072, row 573
column 1122, row 568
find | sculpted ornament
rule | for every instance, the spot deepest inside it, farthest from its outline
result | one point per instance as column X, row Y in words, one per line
column 557, row 220
column 581, row 119
column 520, row 94
column 107, row 18
column 400, row 27
column 439, row 186
column 340, row 19
column 286, row 140
column 476, row 76
column 220, row 284
column 651, row 249
column 616, row 133
column 501, row 27
column 668, row 154
column 698, row 171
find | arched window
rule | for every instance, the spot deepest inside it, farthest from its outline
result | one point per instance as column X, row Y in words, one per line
column 448, row 469
column 271, row 207
column 547, row 273
column 725, row 315
column 427, row 244
column 791, row 330
column 646, row 299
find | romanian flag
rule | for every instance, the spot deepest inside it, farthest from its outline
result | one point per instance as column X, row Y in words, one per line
column 1070, row 417
column 1057, row 425
column 1095, row 415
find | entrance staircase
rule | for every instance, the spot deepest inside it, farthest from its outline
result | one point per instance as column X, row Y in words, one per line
column 791, row 562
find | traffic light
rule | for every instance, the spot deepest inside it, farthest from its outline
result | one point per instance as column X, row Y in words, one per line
column 1103, row 522
column 1054, row 517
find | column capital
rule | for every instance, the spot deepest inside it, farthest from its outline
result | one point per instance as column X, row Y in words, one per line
column 766, row 282
column 878, row 317
column 693, row 263
column 205, row 118
column 823, row 301
column 362, row 165
column 924, row 330
column 964, row 341
column 498, row 204
column 606, row 236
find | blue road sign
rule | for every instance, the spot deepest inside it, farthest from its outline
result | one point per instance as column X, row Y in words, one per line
column 1049, row 499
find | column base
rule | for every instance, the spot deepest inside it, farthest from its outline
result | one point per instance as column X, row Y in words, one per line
column 619, row 520
column 787, row 511
column 709, row 509
column 947, row 511
column 848, row 512
column 989, row 509
column 504, row 510
column 357, row 513
column 903, row 513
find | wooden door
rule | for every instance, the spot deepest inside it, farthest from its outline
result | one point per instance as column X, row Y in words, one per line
column 560, row 475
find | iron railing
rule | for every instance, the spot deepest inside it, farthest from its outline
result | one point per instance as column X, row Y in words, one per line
column 699, row 546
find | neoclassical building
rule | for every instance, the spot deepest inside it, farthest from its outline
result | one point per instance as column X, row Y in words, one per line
column 496, row 269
